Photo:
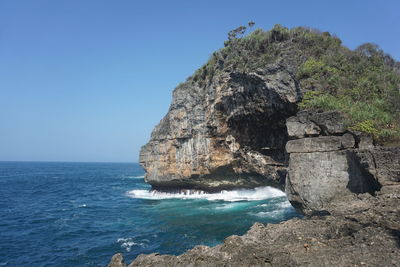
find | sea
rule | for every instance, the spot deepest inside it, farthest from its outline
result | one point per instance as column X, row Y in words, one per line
column 81, row 214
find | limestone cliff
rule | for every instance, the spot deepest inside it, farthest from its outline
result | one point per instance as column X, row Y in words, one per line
column 235, row 123
column 229, row 133
column 226, row 124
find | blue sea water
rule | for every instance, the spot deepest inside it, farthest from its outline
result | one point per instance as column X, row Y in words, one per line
column 80, row 214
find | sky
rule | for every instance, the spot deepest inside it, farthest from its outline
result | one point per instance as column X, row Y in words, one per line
column 86, row 81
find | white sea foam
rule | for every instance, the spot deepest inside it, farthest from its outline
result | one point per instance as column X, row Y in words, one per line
column 135, row 177
column 258, row 193
column 226, row 206
column 127, row 243
column 269, row 214
column 283, row 205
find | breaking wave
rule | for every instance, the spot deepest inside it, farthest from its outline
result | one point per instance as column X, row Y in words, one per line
column 135, row 177
column 127, row 243
column 255, row 194
column 282, row 205
column 279, row 210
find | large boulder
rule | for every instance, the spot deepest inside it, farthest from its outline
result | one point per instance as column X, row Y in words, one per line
column 329, row 170
column 321, row 181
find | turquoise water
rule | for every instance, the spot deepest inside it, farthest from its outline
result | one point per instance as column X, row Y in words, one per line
column 80, row 214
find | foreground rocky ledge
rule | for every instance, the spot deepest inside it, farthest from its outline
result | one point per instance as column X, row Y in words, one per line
column 366, row 232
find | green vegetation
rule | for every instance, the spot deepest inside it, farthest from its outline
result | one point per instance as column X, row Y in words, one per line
column 363, row 84
column 258, row 48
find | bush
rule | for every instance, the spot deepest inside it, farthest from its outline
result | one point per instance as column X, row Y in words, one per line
column 358, row 83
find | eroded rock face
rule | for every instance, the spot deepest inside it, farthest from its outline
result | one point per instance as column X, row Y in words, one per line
column 320, row 144
column 327, row 171
column 384, row 165
column 230, row 133
column 348, row 189
column 308, row 124
column 350, row 195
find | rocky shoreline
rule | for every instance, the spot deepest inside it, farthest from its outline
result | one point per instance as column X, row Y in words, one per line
column 349, row 190
column 236, row 124
column 366, row 233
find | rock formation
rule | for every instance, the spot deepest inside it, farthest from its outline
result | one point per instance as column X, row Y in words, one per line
column 230, row 133
column 226, row 126
column 349, row 191
column 325, row 166
column 235, row 123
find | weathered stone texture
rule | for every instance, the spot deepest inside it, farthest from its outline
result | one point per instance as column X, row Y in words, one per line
column 320, row 144
column 297, row 129
column 229, row 133
column 328, row 171
column 317, row 179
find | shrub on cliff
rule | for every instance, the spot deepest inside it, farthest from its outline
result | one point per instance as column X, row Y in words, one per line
column 363, row 84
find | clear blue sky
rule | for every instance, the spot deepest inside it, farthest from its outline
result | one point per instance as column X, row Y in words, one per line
column 88, row 80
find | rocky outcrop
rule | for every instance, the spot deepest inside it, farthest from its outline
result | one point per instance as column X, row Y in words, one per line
column 234, row 124
column 330, row 165
column 117, row 261
column 349, row 190
column 228, row 133
column 313, row 124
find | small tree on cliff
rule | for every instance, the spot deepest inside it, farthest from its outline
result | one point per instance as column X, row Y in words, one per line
column 237, row 33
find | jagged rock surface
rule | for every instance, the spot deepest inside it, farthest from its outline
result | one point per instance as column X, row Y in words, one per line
column 366, row 233
column 229, row 133
column 328, row 170
column 306, row 124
